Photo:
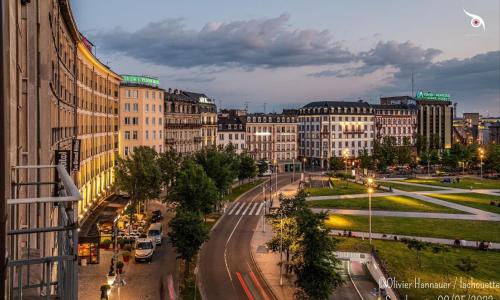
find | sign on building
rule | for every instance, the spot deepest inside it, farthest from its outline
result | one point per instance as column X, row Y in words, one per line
column 62, row 158
column 75, row 157
column 432, row 96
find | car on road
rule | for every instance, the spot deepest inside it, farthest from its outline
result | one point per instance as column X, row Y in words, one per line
column 155, row 232
column 267, row 173
column 156, row 216
column 144, row 249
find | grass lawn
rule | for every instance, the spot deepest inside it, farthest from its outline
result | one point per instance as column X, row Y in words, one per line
column 401, row 263
column 451, row 229
column 394, row 203
column 240, row 189
column 405, row 187
column 465, row 183
column 339, row 188
column 480, row 201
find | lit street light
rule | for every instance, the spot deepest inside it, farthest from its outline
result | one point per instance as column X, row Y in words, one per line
column 481, row 155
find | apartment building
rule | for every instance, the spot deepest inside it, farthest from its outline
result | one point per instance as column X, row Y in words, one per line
column 231, row 128
column 141, row 114
column 335, row 128
column 434, row 116
column 396, row 120
column 60, row 137
column 273, row 137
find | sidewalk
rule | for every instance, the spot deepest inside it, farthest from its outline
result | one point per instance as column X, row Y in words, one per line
column 381, row 236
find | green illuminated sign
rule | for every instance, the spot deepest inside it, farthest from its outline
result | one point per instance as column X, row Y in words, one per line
column 140, row 80
column 432, row 96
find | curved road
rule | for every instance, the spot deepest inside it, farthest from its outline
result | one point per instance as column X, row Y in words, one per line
column 226, row 268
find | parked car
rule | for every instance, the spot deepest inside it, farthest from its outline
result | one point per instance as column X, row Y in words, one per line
column 155, row 233
column 156, row 216
column 267, row 173
column 144, row 250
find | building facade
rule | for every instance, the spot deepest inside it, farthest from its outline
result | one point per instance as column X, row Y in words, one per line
column 141, row 114
column 231, row 128
column 398, row 121
column 434, row 118
column 334, row 128
column 273, row 137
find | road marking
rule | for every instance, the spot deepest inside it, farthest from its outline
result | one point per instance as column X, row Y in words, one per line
column 245, row 288
column 238, row 212
column 234, row 208
column 253, row 208
column 257, row 284
column 257, row 212
column 245, row 211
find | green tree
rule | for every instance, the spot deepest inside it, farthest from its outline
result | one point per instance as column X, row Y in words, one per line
column 220, row 164
column 421, row 144
column 366, row 160
column 193, row 190
column 404, row 152
column 139, row 175
column 247, row 169
column 263, row 166
column 492, row 160
column 314, row 261
column 187, row 233
column 336, row 163
column 418, row 246
column 169, row 163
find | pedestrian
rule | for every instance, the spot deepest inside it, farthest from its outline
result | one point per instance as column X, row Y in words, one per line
column 350, row 233
column 477, row 244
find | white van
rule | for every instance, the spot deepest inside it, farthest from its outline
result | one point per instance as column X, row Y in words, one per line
column 154, row 232
column 144, row 249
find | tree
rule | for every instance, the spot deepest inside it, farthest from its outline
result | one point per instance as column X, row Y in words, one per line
column 336, row 163
column 404, row 152
column 314, row 262
column 169, row 163
column 248, row 169
column 416, row 245
column 187, row 234
column 366, row 160
column 492, row 161
column 467, row 265
column 193, row 190
column 263, row 166
column 139, row 175
column 220, row 164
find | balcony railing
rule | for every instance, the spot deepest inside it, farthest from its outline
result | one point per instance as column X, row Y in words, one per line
column 42, row 234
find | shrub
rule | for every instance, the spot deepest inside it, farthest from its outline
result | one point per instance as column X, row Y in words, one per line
column 127, row 247
column 126, row 253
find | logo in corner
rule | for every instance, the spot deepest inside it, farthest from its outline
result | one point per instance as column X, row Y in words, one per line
column 476, row 20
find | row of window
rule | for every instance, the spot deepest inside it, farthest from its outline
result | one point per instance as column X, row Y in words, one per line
column 346, row 127
column 336, row 110
column 135, row 107
column 230, row 136
column 134, row 135
column 136, row 94
column 126, row 150
column 270, row 119
column 135, row 121
column 336, row 119
column 397, row 122
column 339, row 144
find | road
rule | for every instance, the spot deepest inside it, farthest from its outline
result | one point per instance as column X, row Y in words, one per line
column 226, row 269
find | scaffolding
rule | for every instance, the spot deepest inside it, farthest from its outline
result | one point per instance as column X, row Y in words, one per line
column 42, row 234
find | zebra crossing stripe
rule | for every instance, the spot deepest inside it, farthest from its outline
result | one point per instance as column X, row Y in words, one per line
column 233, row 208
column 242, row 205
column 245, row 211
column 253, row 208
column 257, row 212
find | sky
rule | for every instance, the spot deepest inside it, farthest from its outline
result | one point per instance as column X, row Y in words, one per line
column 285, row 53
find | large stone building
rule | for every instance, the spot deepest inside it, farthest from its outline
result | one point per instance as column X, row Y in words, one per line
column 141, row 114
column 396, row 120
column 60, row 107
column 434, row 116
column 231, row 127
column 190, row 121
column 273, row 137
column 335, row 128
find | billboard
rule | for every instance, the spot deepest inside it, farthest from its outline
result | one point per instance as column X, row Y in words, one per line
column 432, row 96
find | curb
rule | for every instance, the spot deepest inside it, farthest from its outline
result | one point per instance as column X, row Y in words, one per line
column 260, row 271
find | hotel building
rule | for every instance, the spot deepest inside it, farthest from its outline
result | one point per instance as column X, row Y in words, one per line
column 331, row 128
column 273, row 137
column 141, row 114
column 398, row 121
column 60, row 107
column 231, row 127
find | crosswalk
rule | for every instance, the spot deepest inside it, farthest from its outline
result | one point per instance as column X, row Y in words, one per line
column 248, row 209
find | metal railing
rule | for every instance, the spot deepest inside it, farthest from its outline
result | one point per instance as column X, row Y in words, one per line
column 42, row 230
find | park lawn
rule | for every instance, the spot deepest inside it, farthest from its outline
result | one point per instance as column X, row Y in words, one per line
column 391, row 203
column 479, row 201
column 240, row 189
column 339, row 188
column 438, row 228
column 465, row 183
column 401, row 263
column 406, row 187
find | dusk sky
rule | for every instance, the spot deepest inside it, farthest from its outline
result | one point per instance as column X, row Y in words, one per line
column 287, row 53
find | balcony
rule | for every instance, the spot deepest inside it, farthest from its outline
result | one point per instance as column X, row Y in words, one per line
column 354, row 131
column 34, row 268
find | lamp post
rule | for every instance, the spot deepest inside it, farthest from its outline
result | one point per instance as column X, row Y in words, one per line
column 370, row 190
column 481, row 155
column 276, row 170
column 264, row 210
column 293, row 169
column 281, row 248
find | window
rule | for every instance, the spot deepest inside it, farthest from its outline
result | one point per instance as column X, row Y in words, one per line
column 126, row 151
column 136, row 107
column 127, row 106
column 127, row 135
column 147, row 107
column 221, row 136
column 154, row 121
column 135, row 120
column 147, row 94
column 154, row 134
column 153, row 108
column 147, row 135
column 127, row 120
column 147, row 120
column 134, row 135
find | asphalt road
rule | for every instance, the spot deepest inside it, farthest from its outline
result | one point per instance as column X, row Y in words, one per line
column 226, row 269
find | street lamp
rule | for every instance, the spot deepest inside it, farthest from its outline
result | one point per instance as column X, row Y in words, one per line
column 345, row 154
column 481, row 155
column 281, row 248
column 276, row 170
column 370, row 191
